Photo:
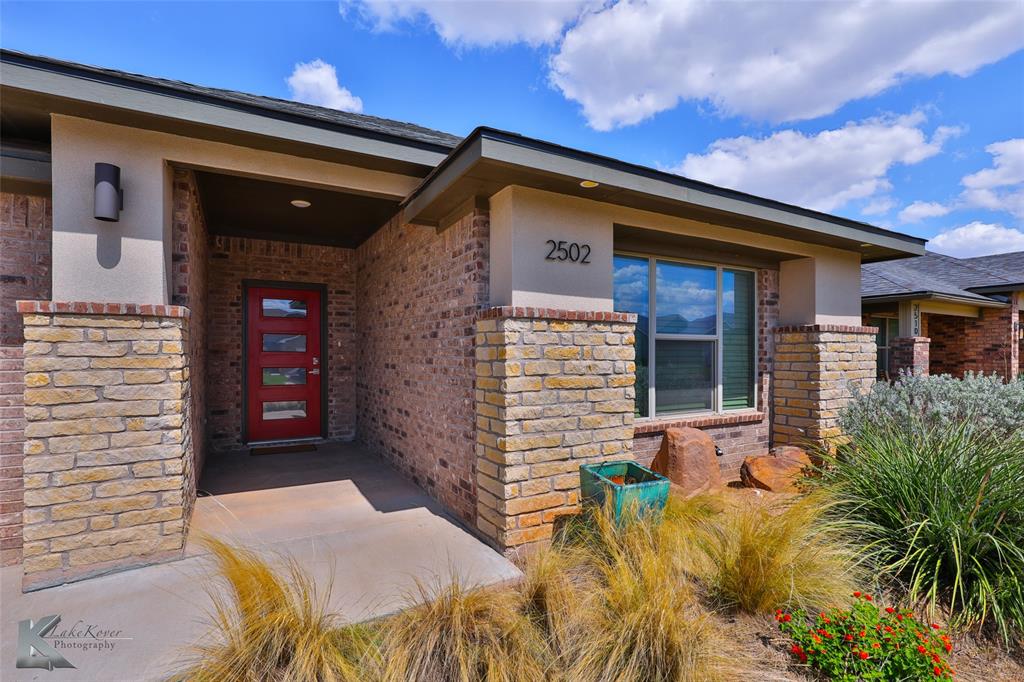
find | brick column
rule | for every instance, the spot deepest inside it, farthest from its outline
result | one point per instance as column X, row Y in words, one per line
column 910, row 354
column 814, row 365
column 990, row 343
column 554, row 390
column 109, row 480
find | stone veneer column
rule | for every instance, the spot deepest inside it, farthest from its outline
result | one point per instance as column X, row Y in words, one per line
column 554, row 390
column 109, row 480
column 814, row 365
column 909, row 354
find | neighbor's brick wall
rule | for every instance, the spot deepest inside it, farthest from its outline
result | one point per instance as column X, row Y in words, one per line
column 419, row 293
column 990, row 344
column 814, row 367
column 233, row 259
column 26, row 231
column 189, row 266
column 106, row 467
column 554, row 390
column 742, row 433
column 948, row 344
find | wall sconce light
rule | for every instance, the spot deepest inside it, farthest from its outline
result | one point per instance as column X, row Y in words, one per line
column 108, row 198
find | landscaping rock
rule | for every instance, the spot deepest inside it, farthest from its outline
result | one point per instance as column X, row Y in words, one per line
column 687, row 459
column 778, row 472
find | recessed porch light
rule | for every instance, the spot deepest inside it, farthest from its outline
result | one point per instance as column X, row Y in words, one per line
column 589, row 184
column 300, row 203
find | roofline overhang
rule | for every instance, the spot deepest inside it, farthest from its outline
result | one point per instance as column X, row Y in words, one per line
column 96, row 88
column 933, row 296
column 997, row 288
column 515, row 150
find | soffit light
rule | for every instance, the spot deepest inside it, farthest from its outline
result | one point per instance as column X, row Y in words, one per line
column 589, row 184
column 300, row 203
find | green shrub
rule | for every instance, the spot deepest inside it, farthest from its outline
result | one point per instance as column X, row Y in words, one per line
column 941, row 507
column 865, row 643
column 935, row 400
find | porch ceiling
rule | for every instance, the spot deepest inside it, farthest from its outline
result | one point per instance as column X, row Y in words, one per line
column 246, row 207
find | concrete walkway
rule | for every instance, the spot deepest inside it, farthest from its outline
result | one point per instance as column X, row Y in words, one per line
column 347, row 518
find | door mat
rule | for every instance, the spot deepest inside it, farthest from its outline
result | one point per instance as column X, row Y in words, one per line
column 282, row 449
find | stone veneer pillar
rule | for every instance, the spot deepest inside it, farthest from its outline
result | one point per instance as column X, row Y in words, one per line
column 909, row 354
column 814, row 365
column 554, row 390
column 109, row 481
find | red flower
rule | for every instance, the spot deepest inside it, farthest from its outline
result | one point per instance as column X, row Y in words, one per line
column 863, row 655
column 889, row 609
column 862, row 633
column 949, row 647
column 921, row 649
column 848, row 638
column 899, row 616
column 856, row 594
column 876, row 645
column 796, row 649
column 867, row 597
column 937, row 670
column 786, row 618
column 935, row 657
column 934, row 626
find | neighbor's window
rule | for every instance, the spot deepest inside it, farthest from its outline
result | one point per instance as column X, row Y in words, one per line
column 695, row 334
column 888, row 329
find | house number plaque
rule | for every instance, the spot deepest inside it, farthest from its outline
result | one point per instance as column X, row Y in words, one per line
column 574, row 252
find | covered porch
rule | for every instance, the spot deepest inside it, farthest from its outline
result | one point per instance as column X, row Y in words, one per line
column 343, row 514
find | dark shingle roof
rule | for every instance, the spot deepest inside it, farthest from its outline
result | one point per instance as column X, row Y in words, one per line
column 935, row 273
column 370, row 124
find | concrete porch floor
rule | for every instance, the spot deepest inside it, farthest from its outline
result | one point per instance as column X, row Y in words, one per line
column 342, row 513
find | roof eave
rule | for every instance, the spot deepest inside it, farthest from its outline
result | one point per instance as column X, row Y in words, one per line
column 926, row 295
column 517, row 151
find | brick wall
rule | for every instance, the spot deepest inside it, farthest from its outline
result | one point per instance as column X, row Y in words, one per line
column 419, row 293
column 947, row 347
column 814, row 366
column 234, row 259
column 909, row 354
column 189, row 258
column 990, row 343
column 26, row 231
column 738, row 435
column 106, row 468
column 554, row 390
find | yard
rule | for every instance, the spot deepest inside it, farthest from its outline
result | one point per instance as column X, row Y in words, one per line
column 901, row 560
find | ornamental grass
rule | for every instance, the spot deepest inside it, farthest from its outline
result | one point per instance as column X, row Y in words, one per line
column 940, row 506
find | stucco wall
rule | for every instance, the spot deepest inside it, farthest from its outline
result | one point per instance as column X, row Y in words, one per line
column 130, row 260
column 418, row 296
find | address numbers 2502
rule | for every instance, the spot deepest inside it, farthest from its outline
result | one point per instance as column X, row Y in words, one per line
column 573, row 252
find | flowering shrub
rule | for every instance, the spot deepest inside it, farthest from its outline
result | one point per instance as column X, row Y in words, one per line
column 867, row 643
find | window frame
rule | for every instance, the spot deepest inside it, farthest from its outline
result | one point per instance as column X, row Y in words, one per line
column 718, row 338
column 882, row 372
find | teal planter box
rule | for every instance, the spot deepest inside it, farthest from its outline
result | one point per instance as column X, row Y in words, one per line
column 628, row 483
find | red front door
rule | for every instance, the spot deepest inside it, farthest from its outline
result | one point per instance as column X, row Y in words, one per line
column 283, row 363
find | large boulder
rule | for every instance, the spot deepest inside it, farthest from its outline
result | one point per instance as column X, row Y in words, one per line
column 779, row 472
column 687, row 459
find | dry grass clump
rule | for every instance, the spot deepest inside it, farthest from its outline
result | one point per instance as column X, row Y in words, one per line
column 460, row 634
column 273, row 626
column 763, row 556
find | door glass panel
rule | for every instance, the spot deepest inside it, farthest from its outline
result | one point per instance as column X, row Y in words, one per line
column 283, row 307
column 284, row 409
column 684, row 376
column 685, row 299
column 284, row 343
column 283, row 376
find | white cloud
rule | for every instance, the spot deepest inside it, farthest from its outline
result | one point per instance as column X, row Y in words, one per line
column 775, row 61
column 823, row 171
column 1001, row 187
column 878, row 206
column 978, row 239
column 477, row 23
column 316, row 82
column 919, row 210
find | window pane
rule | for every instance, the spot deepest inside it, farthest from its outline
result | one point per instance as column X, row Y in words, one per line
column 284, row 409
column 283, row 376
column 685, row 299
column 283, row 307
column 284, row 343
column 737, row 339
column 632, row 295
column 894, row 330
column 684, row 376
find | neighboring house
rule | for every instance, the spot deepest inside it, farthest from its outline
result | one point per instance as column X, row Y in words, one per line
column 942, row 315
column 487, row 313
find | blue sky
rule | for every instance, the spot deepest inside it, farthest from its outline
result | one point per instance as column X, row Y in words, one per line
column 908, row 115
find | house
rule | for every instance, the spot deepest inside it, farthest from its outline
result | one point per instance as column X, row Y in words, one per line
column 942, row 315
column 189, row 271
